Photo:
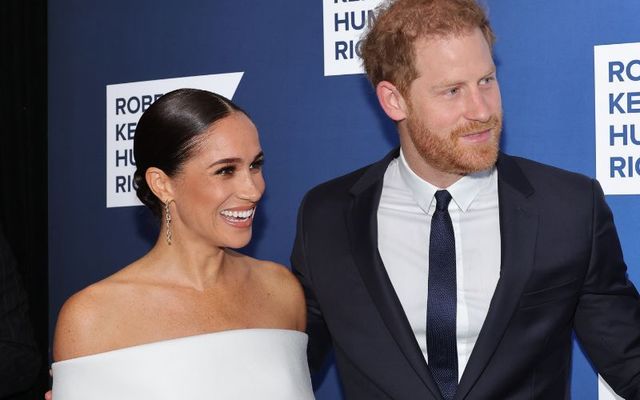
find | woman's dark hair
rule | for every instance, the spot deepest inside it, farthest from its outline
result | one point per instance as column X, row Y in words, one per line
column 169, row 131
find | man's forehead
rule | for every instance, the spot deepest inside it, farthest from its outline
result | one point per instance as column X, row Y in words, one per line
column 451, row 59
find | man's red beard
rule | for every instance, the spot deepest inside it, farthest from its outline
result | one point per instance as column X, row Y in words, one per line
column 447, row 153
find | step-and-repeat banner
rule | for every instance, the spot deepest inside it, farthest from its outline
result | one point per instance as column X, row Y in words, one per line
column 569, row 73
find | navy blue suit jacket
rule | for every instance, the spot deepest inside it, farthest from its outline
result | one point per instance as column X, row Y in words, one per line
column 561, row 271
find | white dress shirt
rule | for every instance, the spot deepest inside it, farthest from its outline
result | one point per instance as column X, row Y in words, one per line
column 404, row 224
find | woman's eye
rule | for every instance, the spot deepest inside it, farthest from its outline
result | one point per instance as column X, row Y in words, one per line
column 226, row 171
column 257, row 164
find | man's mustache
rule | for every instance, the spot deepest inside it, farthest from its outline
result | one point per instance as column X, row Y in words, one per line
column 476, row 126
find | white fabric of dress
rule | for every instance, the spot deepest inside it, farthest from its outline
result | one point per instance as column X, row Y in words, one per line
column 266, row 364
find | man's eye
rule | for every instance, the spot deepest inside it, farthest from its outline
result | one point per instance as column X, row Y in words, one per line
column 453, row 91
column 488, row 79
column 226, row 171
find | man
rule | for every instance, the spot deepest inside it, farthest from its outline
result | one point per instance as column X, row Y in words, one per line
column 449, row 269
column 19, row 358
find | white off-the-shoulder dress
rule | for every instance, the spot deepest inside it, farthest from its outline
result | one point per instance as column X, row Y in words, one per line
column 266, row 364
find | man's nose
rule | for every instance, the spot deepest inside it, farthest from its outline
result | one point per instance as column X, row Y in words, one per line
column 477, row 106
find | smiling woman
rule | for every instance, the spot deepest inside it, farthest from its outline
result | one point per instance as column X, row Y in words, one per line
column 154, row 328
column 212, row 195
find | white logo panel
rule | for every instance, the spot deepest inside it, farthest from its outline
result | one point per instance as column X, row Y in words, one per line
column 125, row 104
column 617, row 111
column 345, row 21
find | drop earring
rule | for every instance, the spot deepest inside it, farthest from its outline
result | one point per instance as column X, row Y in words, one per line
column 167, row 220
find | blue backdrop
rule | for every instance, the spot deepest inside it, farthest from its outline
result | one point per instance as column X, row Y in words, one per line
column 312, row 127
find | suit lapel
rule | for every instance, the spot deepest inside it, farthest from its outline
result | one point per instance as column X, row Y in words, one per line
column 518, row 230
column 363, row 233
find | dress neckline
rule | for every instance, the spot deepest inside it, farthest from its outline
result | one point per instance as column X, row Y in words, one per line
column 163, row 342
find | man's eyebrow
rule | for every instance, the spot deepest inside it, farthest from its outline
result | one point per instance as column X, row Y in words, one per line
column 447, row 84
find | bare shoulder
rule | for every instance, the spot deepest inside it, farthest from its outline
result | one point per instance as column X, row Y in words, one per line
column 269, row 273
column 283, row 289
column 279, row 277
column 84, row 319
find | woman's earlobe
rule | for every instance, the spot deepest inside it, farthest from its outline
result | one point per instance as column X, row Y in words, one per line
column 159, row 183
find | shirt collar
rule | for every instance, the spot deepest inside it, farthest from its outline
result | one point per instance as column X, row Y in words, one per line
column 463, row 192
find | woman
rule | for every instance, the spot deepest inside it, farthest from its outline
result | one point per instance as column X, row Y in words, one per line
column 191, row 319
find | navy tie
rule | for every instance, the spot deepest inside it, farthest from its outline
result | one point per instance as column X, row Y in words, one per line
column 441, row 299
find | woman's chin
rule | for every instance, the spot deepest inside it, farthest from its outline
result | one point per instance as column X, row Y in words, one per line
column 238, row 243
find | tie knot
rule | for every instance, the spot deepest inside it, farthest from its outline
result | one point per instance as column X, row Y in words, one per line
column 442, row 200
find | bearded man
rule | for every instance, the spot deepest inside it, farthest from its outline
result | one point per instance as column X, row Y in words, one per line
column 449, row 269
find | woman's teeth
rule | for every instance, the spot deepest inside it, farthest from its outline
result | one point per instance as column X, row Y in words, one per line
column 238, row 214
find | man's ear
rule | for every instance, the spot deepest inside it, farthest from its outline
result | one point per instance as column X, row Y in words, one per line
column 391, row 101
column 159, row 183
